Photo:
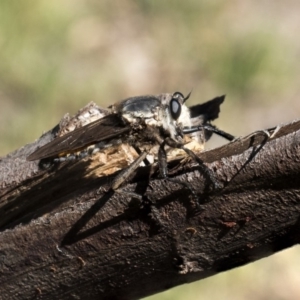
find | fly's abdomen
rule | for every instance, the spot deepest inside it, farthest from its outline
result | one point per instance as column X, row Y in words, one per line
column 87, row 151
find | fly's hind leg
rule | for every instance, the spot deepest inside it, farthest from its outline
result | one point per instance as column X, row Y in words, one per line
column 125, row 175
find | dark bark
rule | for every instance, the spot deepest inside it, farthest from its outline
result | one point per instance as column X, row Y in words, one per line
column 64, row 238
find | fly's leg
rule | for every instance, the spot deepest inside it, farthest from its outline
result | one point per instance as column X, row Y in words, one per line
column 125, row 174
column 206, row 171
column 163, row 167
column 219, row 132
column 139, row 152
column 210, row 128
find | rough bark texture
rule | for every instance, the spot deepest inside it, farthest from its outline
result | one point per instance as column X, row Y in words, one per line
column 64, row 238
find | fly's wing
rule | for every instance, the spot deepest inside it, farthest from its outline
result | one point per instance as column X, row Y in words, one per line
column 108, row 127
column 207, row 111
column 202, row 114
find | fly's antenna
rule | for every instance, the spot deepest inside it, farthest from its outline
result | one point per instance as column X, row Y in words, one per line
column 187, row 97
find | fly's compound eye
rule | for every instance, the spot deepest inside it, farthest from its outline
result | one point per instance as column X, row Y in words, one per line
column 175, row 105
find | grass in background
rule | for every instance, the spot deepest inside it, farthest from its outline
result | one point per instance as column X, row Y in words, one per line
column 56, row 56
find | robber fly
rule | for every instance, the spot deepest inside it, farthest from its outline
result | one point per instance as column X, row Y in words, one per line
column 150, row 124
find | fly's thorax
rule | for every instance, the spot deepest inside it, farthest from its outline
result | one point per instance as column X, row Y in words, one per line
column 141, row 109
column 154, row 111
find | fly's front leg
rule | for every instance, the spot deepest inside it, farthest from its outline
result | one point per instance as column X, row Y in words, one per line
column 206, row 171
column 210, row 128
column 125, row 174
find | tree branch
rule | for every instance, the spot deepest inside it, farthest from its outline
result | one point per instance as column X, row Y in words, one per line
column 64, row 236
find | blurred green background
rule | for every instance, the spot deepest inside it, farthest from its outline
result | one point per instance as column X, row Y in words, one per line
column 56, row 56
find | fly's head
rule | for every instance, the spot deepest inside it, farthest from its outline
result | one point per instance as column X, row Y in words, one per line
column 175, row 114
column 167, row 112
